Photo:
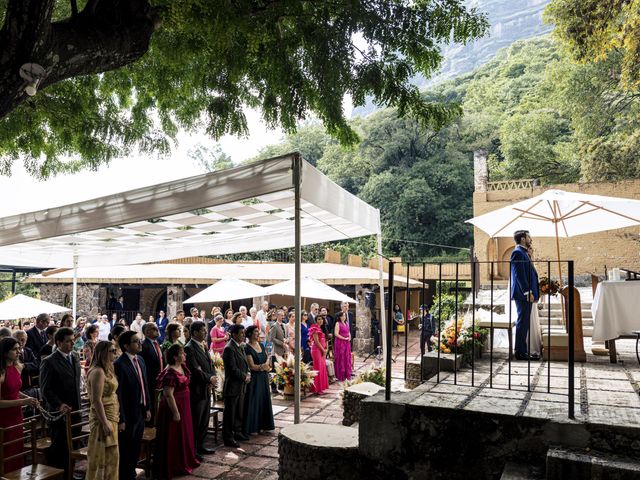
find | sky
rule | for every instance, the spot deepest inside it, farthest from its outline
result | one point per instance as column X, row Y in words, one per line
column 22, row 193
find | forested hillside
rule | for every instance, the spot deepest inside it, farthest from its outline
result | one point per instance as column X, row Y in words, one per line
column 537, row 113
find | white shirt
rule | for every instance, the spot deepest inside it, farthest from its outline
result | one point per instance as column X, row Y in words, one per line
column 137, row 326
column 247, row 322
column 103, row 331
column 262, row 316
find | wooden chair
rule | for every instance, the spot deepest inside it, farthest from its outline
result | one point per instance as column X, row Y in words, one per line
column 77, row 433
column 33, row 471
column 43, row 440
column 149, row 438
column 216, row 423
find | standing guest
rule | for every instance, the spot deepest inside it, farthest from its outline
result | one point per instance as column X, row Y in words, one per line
column 174, row 332
column 351, row 321
column 102, row 386
column 263, row 314
column 162, row 322
column 120, row 304
column 116, row 331
column 5, row 332
column 427, row 328
column 104, row 328
column 91, row 333
column 37, row 336
column 524, row 290
column 203, row 379
column 253, row 313
column 12, row 400
column 114, row 321
column 66, row 321
column 30, row 364
column 314, row 311
column 174, row 449
column 291, row 332
column 285, row 309
column 398, row 319
column 137, row 324
column 342, row 347
column 246, row 320
column 79, row 334
column 277, row 335
column 133, row 397
column 236, row 377
column 328, row 323
column 153, row 360
column 60, row 390
column 195, row 314
column 319, row 355
column 184, row 333
column 47, row 349
column 258, row 412
column 228, row 319
column 218, row 336
column 304, row 337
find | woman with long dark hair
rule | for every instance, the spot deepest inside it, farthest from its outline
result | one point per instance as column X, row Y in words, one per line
column 12, row 400
column 342, row 347
column 175, row 452
column 91, row 333
column 103, row 457
column 258, row 412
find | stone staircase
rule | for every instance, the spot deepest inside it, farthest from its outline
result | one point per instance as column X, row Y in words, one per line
column 556, row 318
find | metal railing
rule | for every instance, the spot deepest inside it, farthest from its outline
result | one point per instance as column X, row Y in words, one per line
column 546, row 269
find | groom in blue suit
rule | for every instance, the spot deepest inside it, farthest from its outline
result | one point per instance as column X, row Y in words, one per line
column 524, row 290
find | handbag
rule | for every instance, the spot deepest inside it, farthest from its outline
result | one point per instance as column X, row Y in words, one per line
column 400, row 328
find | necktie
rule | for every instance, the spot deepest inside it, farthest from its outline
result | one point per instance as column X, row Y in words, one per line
column 139, row 373
column 43, row 335
column 70, row 359
column 157, row 349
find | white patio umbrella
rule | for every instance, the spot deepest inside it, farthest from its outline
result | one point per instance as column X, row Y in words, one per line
column 22, row 306
column 309, row 288
column 227, row 289
column 556, row 213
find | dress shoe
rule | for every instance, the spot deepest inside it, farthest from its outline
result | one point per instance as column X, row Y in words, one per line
column 231, row 443
column 240, row 438
column 205, row 451
column 534, row 356
column 522, row 356
column 199, row 457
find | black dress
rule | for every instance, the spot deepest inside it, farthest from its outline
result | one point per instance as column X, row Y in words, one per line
column 258, row 413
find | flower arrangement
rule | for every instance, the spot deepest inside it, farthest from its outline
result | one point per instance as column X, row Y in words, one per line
column 285, row 371
column 216, row 358
column 547, row 286
column 373, row 374
column 218, row 365
column 461, row 339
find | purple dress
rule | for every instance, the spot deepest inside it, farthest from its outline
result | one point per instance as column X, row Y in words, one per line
column 342, row 353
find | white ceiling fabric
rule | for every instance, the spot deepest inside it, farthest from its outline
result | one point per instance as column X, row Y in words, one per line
column 309, row 288
column 244, row 209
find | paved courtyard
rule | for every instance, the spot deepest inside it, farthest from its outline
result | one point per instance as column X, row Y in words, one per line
column 605, row 393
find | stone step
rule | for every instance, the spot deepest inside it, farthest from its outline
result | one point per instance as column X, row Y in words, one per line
column 565, row 464
column 521, row 471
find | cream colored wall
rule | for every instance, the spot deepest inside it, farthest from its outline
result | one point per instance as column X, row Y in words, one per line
column 615, row 248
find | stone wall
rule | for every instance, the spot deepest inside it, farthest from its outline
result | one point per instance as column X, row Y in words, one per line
column 148, row 298
column 615, row 248
column 363, row 343
column 88, row 300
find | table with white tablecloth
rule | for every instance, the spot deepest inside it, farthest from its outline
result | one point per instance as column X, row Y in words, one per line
column 615, row 309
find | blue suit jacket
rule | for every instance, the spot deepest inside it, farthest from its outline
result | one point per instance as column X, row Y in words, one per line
column 162, row 327
column 524, row 277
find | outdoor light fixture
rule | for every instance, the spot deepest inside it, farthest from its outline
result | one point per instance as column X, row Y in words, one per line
column 33, row 74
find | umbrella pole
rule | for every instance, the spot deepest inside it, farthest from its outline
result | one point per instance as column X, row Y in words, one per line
column 75, row 288
column 297, row 255
column 559, row 271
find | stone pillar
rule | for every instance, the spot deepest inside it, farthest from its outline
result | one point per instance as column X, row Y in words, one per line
column 175, row 296
column 480, row 171
column 363, row 343
column 88, row 304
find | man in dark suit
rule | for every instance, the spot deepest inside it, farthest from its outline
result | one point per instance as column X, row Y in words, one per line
column 60, row 389
column 36, row 335
column 31, row 370
column 133, row 396
column 203, row 378
column 152, row 356
column 162, row 321
column 236, row 377
column 524, row 290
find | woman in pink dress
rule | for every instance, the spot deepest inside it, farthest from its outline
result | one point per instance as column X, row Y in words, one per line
column 175, row 452
column 342, row 348
column 11, row 401
column 219, row 337
column 318, row 355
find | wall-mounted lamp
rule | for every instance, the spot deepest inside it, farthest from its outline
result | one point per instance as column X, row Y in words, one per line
column 33, row 74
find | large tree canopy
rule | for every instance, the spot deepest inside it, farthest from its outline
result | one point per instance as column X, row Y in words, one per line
column 125, row 74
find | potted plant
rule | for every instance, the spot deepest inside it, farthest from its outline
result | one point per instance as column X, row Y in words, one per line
column 285, row 372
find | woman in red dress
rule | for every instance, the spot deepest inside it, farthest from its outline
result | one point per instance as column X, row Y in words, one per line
column 318, row 355
column 175, row 453
column 12, row 400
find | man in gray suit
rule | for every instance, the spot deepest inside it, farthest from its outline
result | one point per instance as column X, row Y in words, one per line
column 277, row 335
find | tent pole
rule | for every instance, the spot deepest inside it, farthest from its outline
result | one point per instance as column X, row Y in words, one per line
column 297, row 303
column 75, row 288
column 383, row 323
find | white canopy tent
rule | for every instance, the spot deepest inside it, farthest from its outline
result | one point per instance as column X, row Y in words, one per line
column 278, row 203
column 309, row 288
column 22, row 306
column 227, row 289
